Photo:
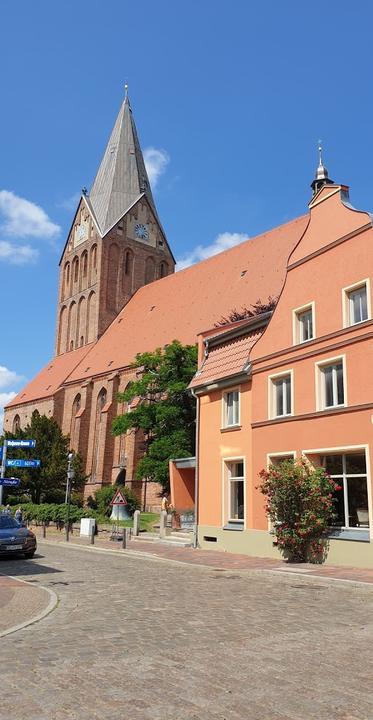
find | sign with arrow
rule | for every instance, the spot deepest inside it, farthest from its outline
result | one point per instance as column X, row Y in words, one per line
column 21, row 443
column 23, row 463
column 119, row 499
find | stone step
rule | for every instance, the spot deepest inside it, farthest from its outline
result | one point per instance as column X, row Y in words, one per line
column 168, row 540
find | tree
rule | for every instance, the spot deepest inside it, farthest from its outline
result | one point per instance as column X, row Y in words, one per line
column 47, row 483
column 300, row 503
column 245, row 313
column 165, row 412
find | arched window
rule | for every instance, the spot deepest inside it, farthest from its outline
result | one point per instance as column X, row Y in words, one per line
column 75, row 409
column 62, row 331
column 16, row 424
column 71, row 326
column 83, row 270
column 91, row 318
column 128, row 262
column 75, row 269
column 163, row 269
column 66, row 281
column 93, row 265
column 98, row 438
column 112, row 275
column 149, row 270
column 82, row 319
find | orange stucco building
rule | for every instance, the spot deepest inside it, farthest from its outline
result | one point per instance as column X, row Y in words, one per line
column 295, row 382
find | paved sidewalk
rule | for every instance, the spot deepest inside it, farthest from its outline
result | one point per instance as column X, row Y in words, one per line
column 214, row 559
column 21, row 603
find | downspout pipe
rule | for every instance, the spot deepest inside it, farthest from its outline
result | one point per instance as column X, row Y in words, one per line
column 196, row 483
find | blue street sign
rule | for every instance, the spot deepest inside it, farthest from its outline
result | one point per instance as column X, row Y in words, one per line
column 10, row 482
column 21, row 443
column 23, row 463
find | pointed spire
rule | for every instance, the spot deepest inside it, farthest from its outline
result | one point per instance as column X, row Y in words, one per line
column 321, row 177
column 122, row 176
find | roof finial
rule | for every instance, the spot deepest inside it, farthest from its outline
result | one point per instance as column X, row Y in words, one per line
column 126, row 90
column 322, row 177
column 320, row 152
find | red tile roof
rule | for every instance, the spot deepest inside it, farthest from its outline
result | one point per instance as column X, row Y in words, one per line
column 49, row 379
column 187, row 302
column 225, row 359
column 179, row 307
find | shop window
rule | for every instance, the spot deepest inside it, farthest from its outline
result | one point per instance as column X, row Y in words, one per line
column 351, row 500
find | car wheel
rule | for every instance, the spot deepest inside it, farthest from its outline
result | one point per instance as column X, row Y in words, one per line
column 29, row 555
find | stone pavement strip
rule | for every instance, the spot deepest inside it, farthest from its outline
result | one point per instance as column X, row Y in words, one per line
column 22, row 603
column 145, row 639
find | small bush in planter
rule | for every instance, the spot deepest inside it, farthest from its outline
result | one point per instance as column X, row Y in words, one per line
column 300, row 503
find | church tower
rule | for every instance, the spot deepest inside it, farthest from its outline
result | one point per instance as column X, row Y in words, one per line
column 116, row 243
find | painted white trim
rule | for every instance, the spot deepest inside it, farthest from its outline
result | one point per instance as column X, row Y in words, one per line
column 346, row 449
column 224, row 425
column 225, row 485
column 345, row 302
column 319, row 404
column 296, row 325
column 270, row 393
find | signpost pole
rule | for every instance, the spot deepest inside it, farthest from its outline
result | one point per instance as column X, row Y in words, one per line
column 2, row 470
column 70, row 475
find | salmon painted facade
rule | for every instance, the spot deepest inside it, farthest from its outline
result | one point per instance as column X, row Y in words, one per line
column 294, row 383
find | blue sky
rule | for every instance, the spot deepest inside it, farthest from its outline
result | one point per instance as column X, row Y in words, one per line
column 233, row 97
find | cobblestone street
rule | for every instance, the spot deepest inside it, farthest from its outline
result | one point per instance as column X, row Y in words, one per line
column 147, row 639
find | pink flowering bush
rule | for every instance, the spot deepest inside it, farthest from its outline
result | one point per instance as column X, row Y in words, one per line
column 300, row 504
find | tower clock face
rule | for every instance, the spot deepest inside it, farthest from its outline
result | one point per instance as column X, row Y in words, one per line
column 81, row 234
column 142, row 231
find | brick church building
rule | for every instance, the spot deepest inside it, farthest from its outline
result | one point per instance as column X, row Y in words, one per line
column 119, row 295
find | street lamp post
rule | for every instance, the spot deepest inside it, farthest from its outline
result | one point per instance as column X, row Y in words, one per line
column 69, row 478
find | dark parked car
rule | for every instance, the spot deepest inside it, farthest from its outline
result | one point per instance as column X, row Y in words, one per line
column 14, row 538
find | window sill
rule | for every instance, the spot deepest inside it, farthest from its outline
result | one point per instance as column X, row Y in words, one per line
column 233, row 526
column 350, row 534
column 229, row 428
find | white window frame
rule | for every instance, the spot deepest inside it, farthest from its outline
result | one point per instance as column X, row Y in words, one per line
column 320, row 383
column 347, row 449
column 296, row 323
column 224, row 418
column 346, row 302
column 226, row 497
column 272, row 394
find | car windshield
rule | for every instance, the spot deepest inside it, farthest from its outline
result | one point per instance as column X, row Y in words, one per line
column 6, row 521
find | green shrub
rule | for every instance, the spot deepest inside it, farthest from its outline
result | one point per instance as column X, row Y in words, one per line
column 300, row 503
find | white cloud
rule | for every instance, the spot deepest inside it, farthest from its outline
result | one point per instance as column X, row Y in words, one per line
column 5, row 398
column 155, row 163
column 224, row 241
column 23, row 218
column 9, row 377
column 17, row 254
column 20, row 218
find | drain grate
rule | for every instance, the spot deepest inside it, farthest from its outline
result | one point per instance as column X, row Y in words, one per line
column 309, row 587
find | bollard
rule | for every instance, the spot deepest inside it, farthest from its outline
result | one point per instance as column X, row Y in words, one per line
column 124, row 538
column 93, row 535
column 44, row 530
column 67, row 530
column 136, row 523
column 162, row 524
